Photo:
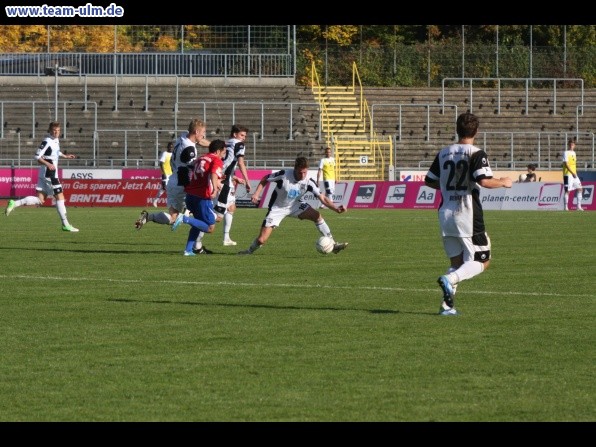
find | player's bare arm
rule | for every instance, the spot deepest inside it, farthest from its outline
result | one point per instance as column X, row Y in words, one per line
column 47, row 164
column 491, row 183
column 244, row 172
column 329, row 204
column 204, row 142
column 257, row 194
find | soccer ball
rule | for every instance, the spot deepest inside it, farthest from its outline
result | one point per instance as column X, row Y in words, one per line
column 325, row 245
column 522, row 178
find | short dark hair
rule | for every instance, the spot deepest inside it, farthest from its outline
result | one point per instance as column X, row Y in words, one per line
column 301, row 163
column 236, row 129
column 467, row 125
column 216, row 145
column 53, row 125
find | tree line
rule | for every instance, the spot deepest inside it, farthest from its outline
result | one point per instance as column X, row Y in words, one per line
column 402, row 55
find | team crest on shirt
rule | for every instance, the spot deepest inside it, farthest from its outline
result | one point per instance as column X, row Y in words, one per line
column 293, row 193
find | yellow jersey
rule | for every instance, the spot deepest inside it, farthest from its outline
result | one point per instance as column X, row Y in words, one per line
column 164, row 161
column 570, row 158
column 327, row 166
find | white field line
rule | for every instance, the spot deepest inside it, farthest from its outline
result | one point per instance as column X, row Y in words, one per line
column 298, row 285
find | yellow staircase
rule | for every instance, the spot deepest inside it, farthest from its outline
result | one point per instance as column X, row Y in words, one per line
column 345, row 121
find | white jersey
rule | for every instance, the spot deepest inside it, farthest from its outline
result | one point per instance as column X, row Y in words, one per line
column 458, row 168
column 183, row 157
column 48, row 150
column 289, row 190
column 234, row 150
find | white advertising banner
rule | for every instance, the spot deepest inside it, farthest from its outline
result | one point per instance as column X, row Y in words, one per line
column 524, row 196
column 91, row 174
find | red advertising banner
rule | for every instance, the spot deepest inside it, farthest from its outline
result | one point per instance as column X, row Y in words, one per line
column 138, row 187
column 393, row 195
column 365, row 195
column 18, row 182
column 408, row 195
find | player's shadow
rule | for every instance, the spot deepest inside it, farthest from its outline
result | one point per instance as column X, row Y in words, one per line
column 267, row 306
column 99, row 252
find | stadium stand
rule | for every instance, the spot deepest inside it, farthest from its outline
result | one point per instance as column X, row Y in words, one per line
column 130, row 122
column 511, row 133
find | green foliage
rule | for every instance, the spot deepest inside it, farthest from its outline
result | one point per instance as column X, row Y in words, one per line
column 343, row 35
column 114, row 324
column 423, row 49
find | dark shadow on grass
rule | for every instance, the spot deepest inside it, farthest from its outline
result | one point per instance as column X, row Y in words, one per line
column 261, row 306
column 98, row 252
column 109, row 252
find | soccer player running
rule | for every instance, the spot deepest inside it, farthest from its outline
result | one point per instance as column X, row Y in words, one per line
column 181, row 161
column 570, row 179
column 287, row 200
column 226, row 201
column 48, row 182
column 203, row 186
column 458, row 171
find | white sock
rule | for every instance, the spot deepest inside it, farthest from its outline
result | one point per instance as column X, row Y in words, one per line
column 566, row 200
column 451, row 270
column 228, row 218
column 324, row 228
column 61, row 208
column 466, row 271
column 578, row 197
column 27, row 201
column 199, row 241
column 162, row 218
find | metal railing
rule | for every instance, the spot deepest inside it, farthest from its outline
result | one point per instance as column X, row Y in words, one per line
column 268, row 115
column 35, row 119
column 111, row 148
column 546, row 149
column 204, row 64
column 526, row 81
column 232, row 107
column 400, row 108
column 579, row 111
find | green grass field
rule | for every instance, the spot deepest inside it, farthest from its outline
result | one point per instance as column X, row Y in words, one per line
column 114, row 324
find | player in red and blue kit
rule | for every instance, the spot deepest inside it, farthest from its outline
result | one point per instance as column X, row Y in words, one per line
column 203, row 186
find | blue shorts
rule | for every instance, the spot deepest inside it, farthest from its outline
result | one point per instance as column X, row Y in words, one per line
column 201, row 209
